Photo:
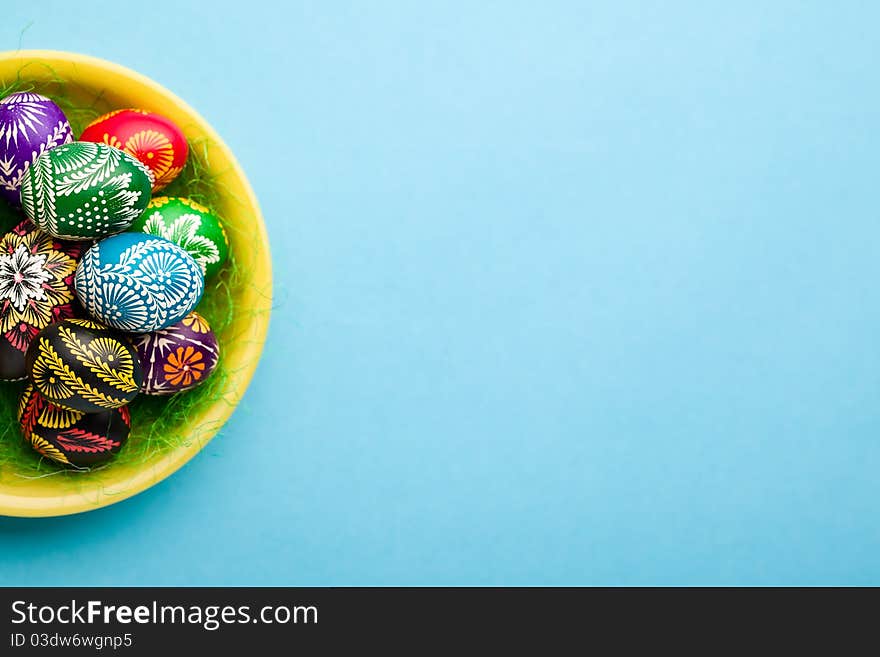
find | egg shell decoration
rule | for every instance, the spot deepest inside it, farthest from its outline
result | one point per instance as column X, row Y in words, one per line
column 30, row 125
column 138, row 283
column 36, row 289
column 85, row 191
column 179, row 357
column 151, row 138
column 71, row 437
column 82, row 366
column 191, row 226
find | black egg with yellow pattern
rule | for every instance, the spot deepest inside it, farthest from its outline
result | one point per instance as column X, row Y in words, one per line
column 83, row 366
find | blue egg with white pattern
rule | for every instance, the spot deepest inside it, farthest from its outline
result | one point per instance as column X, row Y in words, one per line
column 138, row 283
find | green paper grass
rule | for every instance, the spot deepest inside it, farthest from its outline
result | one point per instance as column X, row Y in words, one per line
column 156, row 421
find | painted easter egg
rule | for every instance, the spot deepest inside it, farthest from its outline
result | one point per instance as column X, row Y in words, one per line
column 83, row 366
column 71, row 437
column 177, row 358
column 30, row 125
column 191, row 226
column 36, row 289
column 151, row 138
column 85, row 191
column 138, row 283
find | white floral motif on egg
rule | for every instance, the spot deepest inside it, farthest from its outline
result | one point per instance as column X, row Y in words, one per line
column 22, row 275
column 151, row 282
column 182, row 231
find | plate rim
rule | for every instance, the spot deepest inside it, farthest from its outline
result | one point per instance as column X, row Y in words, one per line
column 157, row 470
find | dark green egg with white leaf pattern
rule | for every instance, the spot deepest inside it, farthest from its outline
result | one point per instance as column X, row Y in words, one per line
column 191, row 226
column 85, row 191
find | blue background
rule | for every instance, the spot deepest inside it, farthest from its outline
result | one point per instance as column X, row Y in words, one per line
column 567, row 293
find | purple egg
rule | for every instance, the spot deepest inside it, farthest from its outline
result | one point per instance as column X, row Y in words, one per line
column 30, row 125
column 177, row 358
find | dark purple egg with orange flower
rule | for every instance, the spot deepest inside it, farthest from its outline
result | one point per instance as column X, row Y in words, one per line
column 179, row 357
column 36, row 290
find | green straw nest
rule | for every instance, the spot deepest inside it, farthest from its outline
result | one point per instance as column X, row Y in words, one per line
column 158, row 424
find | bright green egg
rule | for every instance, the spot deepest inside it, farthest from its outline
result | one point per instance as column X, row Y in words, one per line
column 191, row 226
column 85, row 191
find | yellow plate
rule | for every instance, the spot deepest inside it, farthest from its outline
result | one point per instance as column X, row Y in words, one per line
column 120, row 87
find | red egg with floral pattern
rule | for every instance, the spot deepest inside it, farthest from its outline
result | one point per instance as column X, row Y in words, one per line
column 152, row 138
column 36, row 290
column 178, row 357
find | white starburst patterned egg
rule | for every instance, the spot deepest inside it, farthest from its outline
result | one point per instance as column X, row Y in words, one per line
column 138, row 283
column 36, row 289
column 30, row 125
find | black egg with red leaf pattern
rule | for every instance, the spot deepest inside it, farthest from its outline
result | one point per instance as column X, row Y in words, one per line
column 70, row 437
